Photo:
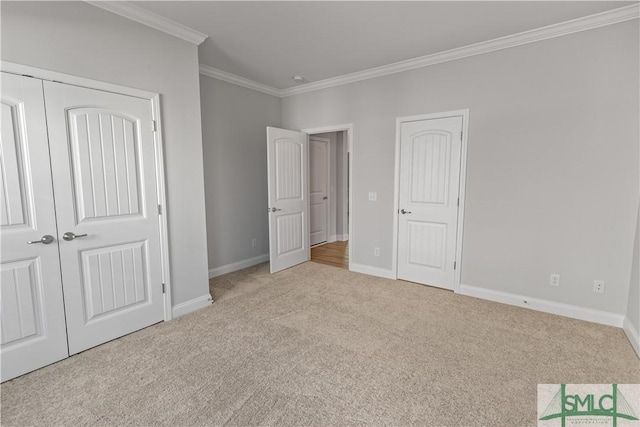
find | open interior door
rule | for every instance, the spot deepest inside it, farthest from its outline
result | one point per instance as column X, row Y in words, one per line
column 288, row 182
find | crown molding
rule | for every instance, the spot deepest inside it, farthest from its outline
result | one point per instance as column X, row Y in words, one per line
column 239, row 81
column 556, row 30
column 589, row 22
column 153, row 20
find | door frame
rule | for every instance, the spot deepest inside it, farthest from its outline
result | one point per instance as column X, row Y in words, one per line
column 348, row 129
column 328, row 159
column 463, row 175
column 42, row 74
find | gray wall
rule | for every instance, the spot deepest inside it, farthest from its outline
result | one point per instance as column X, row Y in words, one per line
column 234, row 122
column 80, row 39
column 552, row 176
column 633, row 305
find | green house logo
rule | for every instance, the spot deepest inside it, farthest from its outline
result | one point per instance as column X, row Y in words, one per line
column 595, row 407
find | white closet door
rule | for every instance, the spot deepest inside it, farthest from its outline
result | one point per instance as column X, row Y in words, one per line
column 319, row 189
column 33, row 324
column 103, row 164
column 429, row 189
column 288, row 184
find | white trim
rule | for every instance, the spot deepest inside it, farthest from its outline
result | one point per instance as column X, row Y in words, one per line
column 332, row 238
column 345, row 189
column 632, row 335
column 462, row 195
column 342, row 237
column 215, row 73
column 552, row 307
column 461, row 189
column 348, row 128
column 192, row 305
column 153, row 20
column 162, row 201
column 154, row 98
column 556, row 30
column 597, row 20
column 371, row 271
column 235, row 266
column 54, row 76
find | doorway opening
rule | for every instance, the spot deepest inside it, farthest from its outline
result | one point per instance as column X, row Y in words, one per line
column 329, row 197
column 289, row 195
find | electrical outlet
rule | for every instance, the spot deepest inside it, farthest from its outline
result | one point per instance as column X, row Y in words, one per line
column 554, row 279
column 373, row 196
column 254, row 242
column 598, row 286
column 376, row 251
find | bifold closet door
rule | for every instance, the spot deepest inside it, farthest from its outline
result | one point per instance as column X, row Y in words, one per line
column 32, row 311
column 104, row 175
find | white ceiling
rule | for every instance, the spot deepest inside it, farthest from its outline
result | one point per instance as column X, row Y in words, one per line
column 269, row 42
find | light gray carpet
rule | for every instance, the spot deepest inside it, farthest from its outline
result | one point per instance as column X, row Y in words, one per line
column 317, row 345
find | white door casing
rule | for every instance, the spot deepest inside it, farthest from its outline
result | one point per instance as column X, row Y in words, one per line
column 319, row 189
column 104, row 174
column 33, row 323
column 429, row 189
column 288, row 187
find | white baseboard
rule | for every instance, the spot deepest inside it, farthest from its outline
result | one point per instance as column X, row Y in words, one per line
column 552, row 307
column 342, row 237
column 332, row 238
column 372, row 271
column 191, row 305
column 235, row 266
column 632, row 334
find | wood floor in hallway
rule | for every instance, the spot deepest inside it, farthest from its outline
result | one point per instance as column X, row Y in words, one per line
column 335, row 254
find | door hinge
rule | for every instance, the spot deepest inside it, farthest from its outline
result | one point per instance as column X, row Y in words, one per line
column 154, row 126
column 164, row 288
column 159, row 209
column 454, row 264
column 460, row 135
column 458, row 201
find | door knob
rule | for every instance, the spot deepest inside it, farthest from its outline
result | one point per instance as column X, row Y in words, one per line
column 275, row 209
column 46, row 239
column 404, row 212
column 325, row 198
column 69, row 236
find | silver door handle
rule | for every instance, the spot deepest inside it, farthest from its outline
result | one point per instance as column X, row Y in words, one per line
column 404, row 212
column 325, row 198
column 46, row 239
column 275, row 209
column 69, row 236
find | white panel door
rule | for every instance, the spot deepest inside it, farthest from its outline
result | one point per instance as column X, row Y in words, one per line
column 318, row 189
column 32, row 312
column 429, row 187
column 287, row 170
column 104, row 174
